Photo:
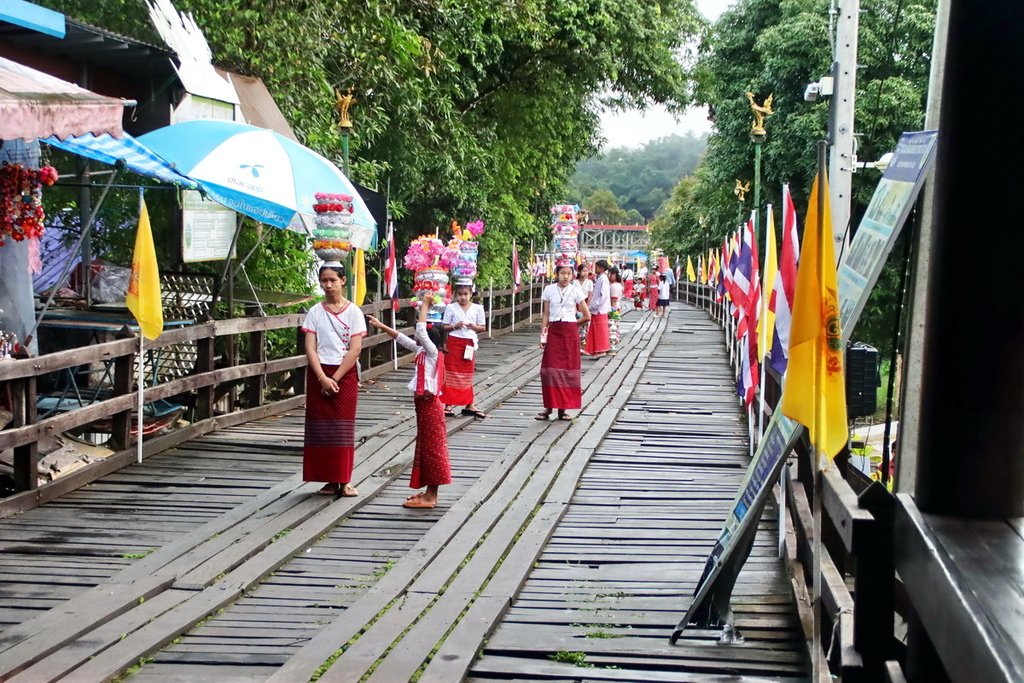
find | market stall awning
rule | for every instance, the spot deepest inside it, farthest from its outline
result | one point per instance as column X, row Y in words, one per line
column 136, row 156
column 36, row 105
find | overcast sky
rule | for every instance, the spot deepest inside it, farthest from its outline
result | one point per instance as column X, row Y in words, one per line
column 633, row 128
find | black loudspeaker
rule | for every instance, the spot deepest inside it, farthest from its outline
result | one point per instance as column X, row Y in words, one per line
column 863, row 378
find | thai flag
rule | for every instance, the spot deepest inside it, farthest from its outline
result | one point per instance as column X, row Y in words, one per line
column 749, row 281
column 785, row 283
column 391, row 270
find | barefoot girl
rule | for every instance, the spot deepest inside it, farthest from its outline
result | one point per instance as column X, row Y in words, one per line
column 430, row 466
column 562, row 305
column 463, row 320
column 334, row 336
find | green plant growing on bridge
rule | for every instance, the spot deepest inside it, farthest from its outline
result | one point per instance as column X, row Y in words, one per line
column 571, row 657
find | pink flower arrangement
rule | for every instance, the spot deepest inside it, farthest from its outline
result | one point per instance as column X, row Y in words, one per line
column 476, row 228
column 424, row 252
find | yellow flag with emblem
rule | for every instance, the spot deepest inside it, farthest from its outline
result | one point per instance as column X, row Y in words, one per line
column 766, row 337
column 143, row 296
column 360, row 268
column 815, row 392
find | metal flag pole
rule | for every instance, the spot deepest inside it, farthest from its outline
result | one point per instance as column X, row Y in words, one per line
column 139, row 376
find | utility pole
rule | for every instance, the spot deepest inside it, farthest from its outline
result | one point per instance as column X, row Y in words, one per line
column 842, row 156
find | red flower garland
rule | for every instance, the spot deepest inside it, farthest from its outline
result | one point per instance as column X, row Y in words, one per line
column 21, row 201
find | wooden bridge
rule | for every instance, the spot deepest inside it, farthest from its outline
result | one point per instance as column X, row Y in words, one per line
column 562, row 551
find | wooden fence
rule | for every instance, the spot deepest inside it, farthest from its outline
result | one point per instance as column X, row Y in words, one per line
column 859, row 586
column 233, row 381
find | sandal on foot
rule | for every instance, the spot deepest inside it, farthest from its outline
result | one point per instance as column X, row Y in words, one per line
column 349, row 491
column 543, row 417
column 449, row 413
column 564, row 417
column 330, row 489
column 417, row 503
column 479, row 414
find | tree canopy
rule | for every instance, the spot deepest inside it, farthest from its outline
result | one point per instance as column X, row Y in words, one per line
column 776, row 47
column 640, row 180
column 466, row 110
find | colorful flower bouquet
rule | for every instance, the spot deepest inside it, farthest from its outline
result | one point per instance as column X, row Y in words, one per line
column 21, row 201
column 333, row 232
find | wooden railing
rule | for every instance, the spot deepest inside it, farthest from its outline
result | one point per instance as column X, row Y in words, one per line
column 233, row 381
column 859, row 582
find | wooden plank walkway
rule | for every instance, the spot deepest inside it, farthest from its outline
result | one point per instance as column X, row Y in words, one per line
column 251, row 578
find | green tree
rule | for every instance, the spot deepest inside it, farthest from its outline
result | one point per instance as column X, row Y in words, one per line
column 777, row 47
column 466, row 109
column 603, row 207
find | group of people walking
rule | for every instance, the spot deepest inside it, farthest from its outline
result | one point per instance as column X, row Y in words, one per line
column 576, row 319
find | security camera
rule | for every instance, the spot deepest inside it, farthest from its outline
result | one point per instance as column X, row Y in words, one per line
column 812, row 92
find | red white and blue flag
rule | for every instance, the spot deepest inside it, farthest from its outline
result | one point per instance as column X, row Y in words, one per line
column 391, row 270
column 785, row 283
column 748, row 281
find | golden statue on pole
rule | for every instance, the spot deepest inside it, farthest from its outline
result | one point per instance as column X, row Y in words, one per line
column 761, row 111
column 741, row 190
column 343, row 102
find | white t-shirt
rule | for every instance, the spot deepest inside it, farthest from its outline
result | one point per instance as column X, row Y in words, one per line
column 427, row 347
column 454, row 313
column 664, row 290
column 615, row 291
column 334, row 331
column 562, row 302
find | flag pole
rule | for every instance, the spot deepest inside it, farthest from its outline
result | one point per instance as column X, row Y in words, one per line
column 139, row 373
column 490, row 307
column 394, row 342
column 818, row 413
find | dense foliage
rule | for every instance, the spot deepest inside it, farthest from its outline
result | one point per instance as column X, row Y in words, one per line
column 465, row 109
column 636, row 180
column 777, row 47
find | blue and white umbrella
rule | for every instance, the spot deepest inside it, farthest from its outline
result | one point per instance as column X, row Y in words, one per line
column 258, row 172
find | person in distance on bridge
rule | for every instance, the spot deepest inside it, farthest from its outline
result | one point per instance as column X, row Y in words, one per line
column 616, row 292
column 586, row 286
column 430, row 465
column 563, row 311
column 463, row 320
column 334, row 337
column 653, row 280
column 664, row 292
column 598, row 337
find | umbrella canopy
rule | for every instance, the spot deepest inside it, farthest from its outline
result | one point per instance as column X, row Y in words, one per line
column 258, row 172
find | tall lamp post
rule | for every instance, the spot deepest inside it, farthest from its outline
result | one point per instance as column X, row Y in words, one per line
column 343, row 103
column 757, row 136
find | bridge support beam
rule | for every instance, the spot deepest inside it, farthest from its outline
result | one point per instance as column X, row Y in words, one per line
column 970, row 443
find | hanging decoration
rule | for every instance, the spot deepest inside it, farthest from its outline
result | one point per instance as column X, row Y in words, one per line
column 21, row 201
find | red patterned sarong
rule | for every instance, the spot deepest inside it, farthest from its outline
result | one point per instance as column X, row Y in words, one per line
column 329, row 448
column 430, row 466
column 560, row 368
column 652, row 294
column 458, row 373
column 598, row 337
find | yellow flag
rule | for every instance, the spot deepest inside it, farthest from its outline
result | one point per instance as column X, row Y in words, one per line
column 690, row 274
column 143, row 296
column 703, row 270
column 771, row 271
column 360, row 268
column 815, row 392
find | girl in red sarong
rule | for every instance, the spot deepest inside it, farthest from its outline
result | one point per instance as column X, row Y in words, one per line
column 334, row 337
column 652, row 290
column 463, row 320
column 562, row 312
column 430, row 465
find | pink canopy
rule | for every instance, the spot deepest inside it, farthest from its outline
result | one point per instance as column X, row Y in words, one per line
column 36, row 105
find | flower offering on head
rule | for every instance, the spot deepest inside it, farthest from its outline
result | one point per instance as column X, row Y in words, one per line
column 424, row 252
column 476, row 228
